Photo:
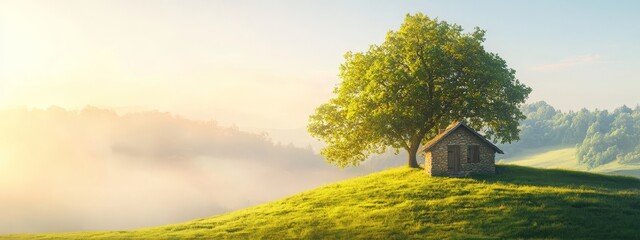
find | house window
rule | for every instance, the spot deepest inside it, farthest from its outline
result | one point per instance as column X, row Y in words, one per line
column 473, row 153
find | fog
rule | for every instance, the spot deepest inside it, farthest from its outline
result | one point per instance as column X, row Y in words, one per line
column 93, row 169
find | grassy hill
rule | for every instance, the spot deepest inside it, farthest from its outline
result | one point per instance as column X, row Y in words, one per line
column 553, row 157
column 566, row 158
column 401, row 203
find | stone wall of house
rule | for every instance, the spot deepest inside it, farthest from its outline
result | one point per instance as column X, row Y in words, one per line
column 436, row 160
column 428, row 165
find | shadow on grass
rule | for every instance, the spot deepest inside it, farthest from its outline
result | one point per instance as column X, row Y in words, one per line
column 558, row 178
column 585, row 206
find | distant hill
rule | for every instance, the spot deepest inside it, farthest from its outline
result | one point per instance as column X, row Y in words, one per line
column 562, row 157
column 566, row 158
column 402, row 203
column 87, row 169
column 600, row 136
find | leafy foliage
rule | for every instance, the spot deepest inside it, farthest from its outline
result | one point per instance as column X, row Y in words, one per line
column 600, row 136
column 403, row 203
column 424, row 76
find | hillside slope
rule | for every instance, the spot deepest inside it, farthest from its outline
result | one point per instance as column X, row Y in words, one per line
column 403, row 203
column 553, row 157
column 566, row 158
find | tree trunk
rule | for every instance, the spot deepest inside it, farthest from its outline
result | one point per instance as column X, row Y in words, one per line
column 413, row 162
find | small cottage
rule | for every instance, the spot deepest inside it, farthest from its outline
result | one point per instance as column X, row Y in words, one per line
column 459, row 150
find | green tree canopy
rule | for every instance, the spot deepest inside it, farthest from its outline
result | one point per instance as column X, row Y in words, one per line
column 423, row 77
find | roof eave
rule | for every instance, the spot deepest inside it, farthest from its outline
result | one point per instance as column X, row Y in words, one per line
column 450, row 130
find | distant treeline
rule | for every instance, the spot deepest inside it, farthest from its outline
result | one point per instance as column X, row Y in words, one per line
column 145, row 136
column 600, row 136
column 150, row 136
column 97, row 169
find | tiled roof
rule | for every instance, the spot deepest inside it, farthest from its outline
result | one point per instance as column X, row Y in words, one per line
column 449, row 130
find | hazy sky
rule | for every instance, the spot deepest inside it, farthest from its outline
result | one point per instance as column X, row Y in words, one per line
column 268, row 64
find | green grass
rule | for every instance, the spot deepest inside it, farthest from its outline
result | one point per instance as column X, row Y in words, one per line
column 402, row 203
column 562, row 158
column 566, row 158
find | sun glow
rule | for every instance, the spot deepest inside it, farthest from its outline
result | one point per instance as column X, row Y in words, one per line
column 3, row 164
column 7, row 170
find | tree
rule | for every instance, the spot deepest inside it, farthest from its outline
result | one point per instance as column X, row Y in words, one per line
column 421, row 78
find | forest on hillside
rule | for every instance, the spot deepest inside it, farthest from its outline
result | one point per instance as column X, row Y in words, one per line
column 600, row 136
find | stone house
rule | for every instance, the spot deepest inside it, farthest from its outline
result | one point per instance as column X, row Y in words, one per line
column 459, row 150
